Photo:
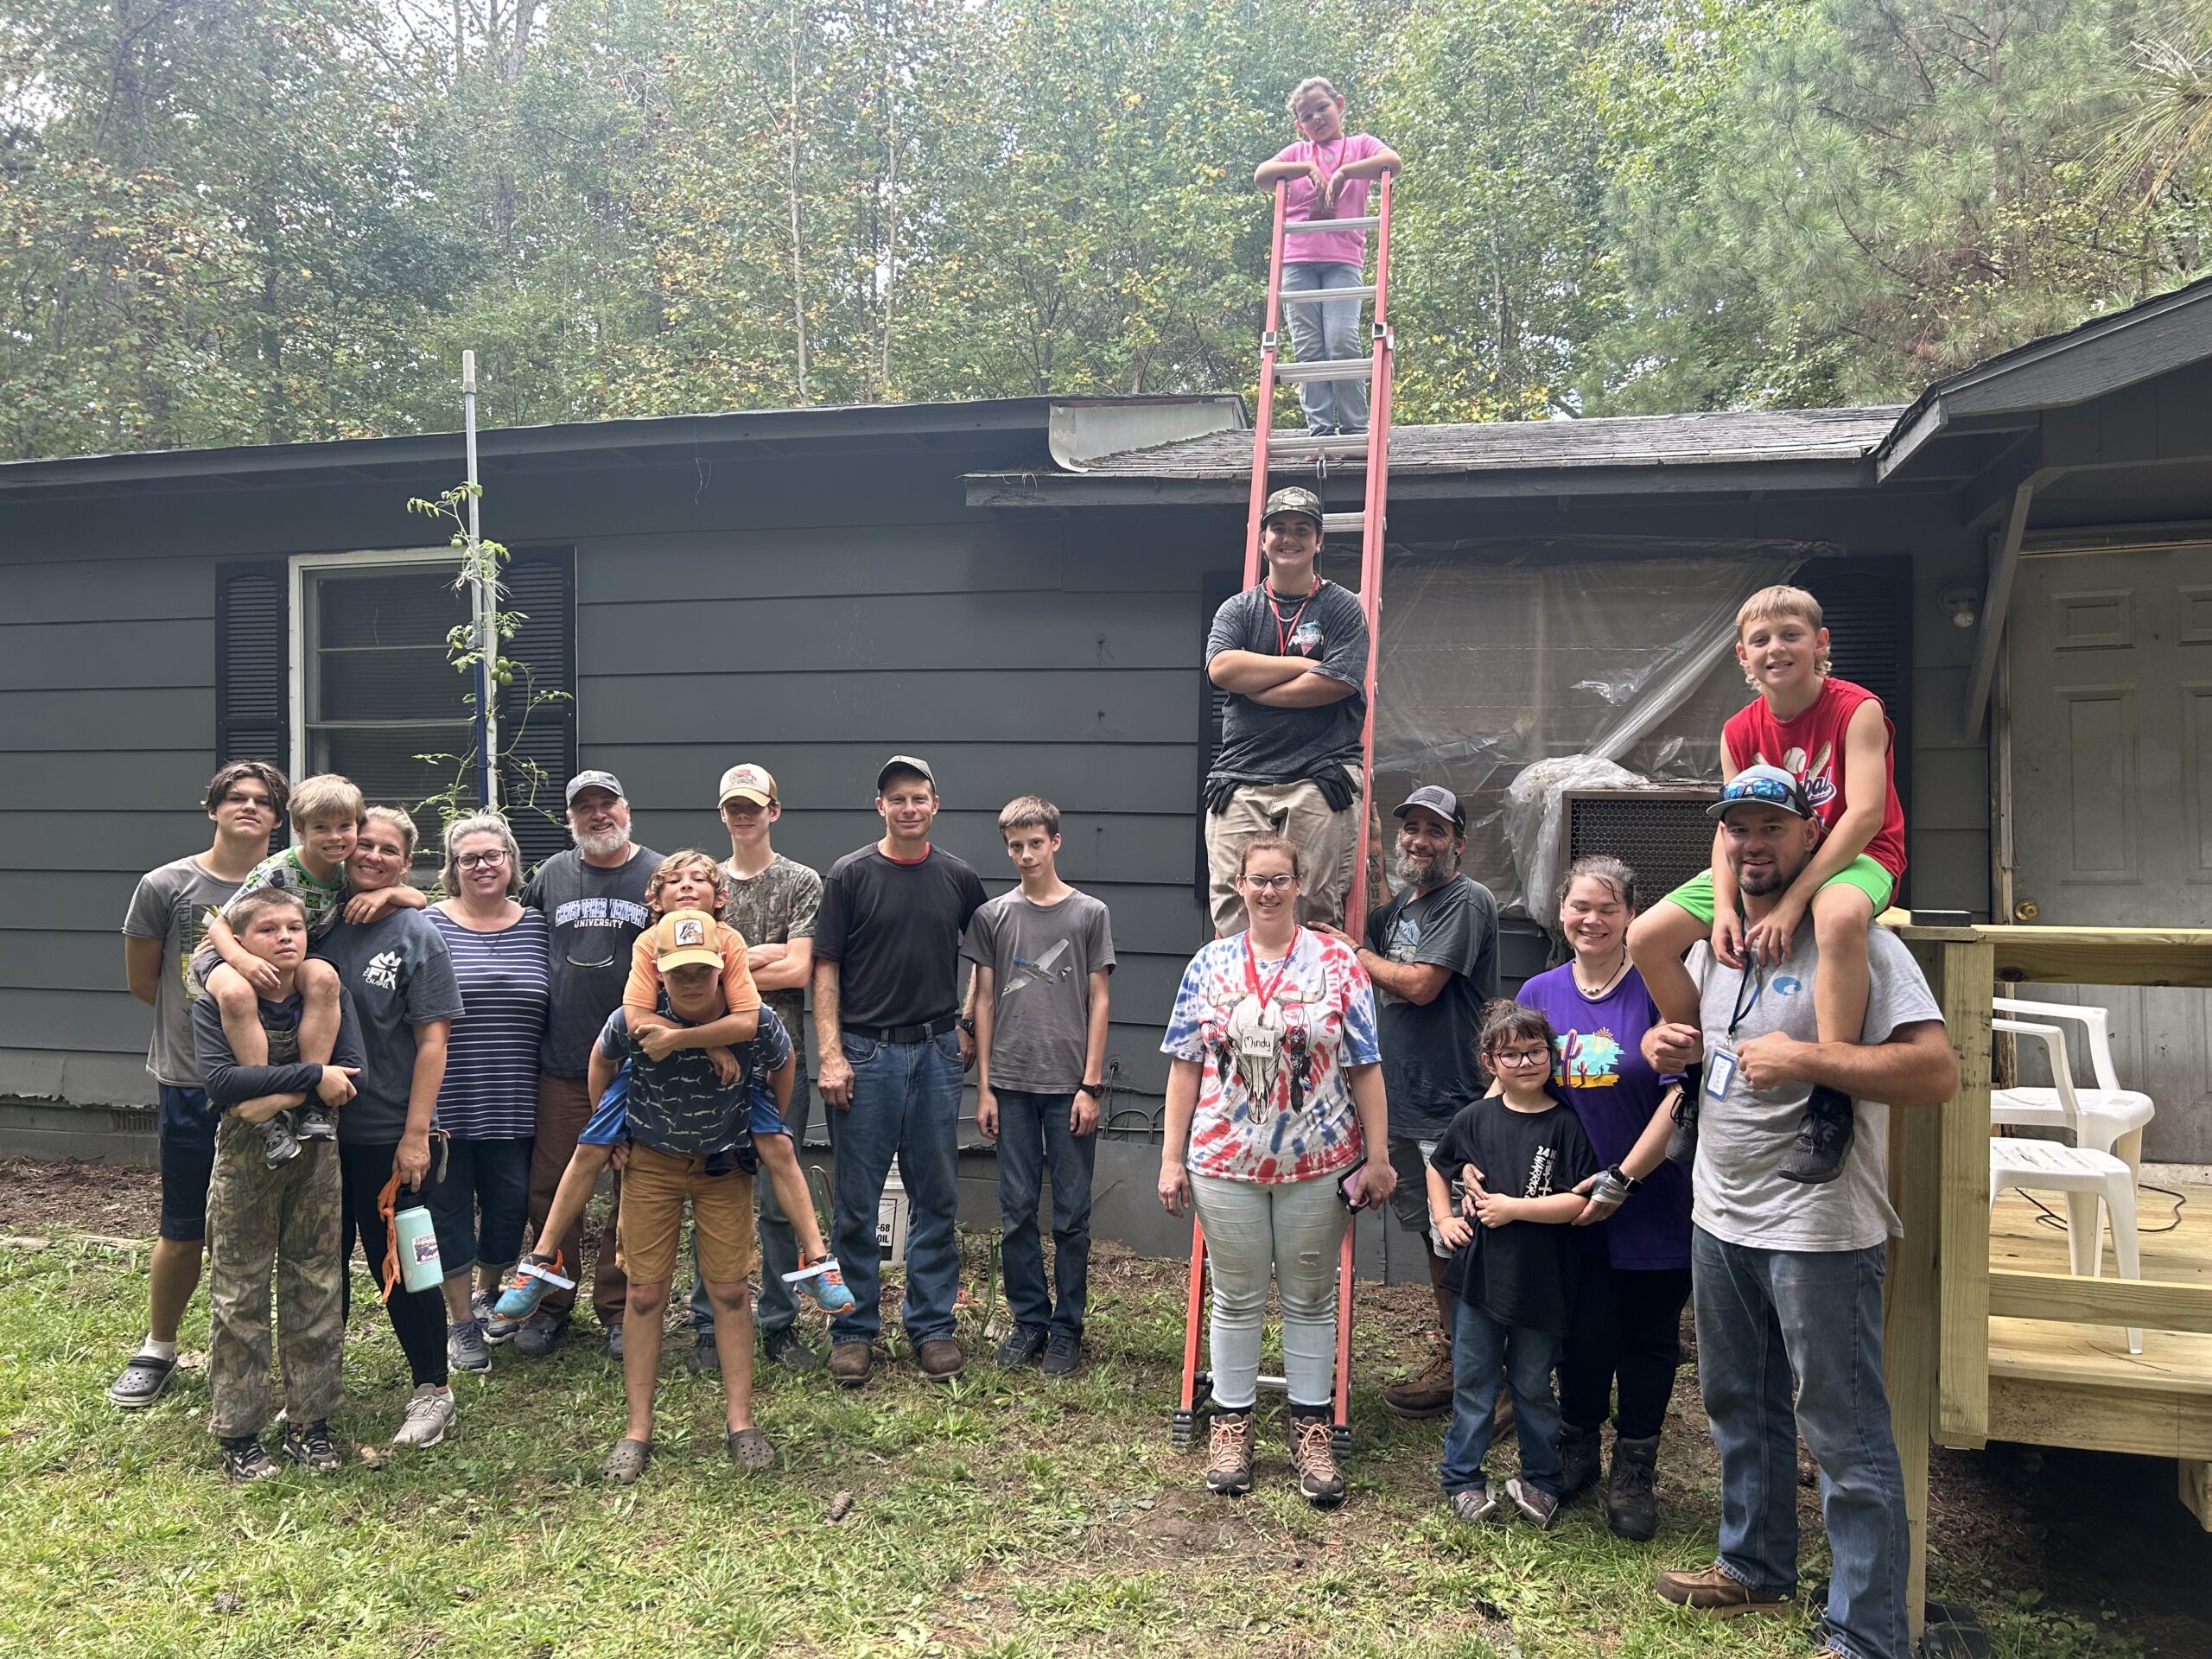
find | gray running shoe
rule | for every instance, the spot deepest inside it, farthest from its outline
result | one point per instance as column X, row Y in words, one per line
column 431, row 1413
column 465, row 1349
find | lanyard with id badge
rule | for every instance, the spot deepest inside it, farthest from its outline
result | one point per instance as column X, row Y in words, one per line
column 1265, row 1034
column 1720, row 1064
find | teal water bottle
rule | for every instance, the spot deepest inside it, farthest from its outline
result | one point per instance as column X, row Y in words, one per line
column 418, row 1248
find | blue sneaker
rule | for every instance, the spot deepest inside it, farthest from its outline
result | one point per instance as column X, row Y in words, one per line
column 535, row 1276
column 823, row 1281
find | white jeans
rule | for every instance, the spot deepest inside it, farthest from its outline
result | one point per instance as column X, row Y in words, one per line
column 1288, row 1231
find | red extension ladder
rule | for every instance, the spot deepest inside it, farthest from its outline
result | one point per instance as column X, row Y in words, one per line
column 1273, row 453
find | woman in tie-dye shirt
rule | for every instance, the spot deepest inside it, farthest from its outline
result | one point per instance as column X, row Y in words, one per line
column 1273, row 1099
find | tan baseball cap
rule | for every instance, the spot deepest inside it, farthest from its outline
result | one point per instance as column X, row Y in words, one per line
column 685, row 938
column 746, row 781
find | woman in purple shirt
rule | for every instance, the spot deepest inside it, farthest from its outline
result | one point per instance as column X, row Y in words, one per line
column 1635, row 1277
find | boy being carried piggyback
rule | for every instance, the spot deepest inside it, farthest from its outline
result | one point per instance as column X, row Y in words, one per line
column 1836, row 741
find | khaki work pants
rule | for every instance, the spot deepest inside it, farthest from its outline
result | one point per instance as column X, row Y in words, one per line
column 1327, row 842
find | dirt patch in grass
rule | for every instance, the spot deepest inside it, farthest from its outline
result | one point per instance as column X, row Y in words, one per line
column 39, row 1199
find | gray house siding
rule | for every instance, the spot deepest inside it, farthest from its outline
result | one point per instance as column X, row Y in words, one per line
column 107, row 725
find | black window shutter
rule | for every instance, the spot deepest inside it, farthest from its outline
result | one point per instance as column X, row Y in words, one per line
column 538, row 743
column 1866, row 604
column 252, row 665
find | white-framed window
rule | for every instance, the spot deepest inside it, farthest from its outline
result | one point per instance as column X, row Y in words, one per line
column 372, row 687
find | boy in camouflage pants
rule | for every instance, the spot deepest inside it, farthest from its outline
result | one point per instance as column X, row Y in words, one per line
column 281, row 1218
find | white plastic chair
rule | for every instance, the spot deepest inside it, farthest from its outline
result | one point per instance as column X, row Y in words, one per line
column 2112, row 1118
column 2084, row 1174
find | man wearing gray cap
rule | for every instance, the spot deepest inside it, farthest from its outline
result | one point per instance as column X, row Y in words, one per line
column 1786, row 1277
column 1292, row 655
column 1432, row 952
column 887, row 1021
column 593, row 899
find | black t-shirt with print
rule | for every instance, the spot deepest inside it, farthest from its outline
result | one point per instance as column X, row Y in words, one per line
column 1524, row 1272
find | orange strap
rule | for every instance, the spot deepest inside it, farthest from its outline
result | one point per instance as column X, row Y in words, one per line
column 387, row 1205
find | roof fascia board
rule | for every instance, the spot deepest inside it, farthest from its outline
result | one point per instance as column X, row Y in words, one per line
column 2154, row 339
column 1094, row 490
column 416, row 450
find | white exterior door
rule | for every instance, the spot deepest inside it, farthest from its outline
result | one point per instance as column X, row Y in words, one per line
column 2110, row 666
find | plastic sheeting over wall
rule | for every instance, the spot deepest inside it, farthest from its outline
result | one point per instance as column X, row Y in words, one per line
column 1510, row 672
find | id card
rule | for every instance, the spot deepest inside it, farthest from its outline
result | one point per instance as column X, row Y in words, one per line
column 1719, row 1068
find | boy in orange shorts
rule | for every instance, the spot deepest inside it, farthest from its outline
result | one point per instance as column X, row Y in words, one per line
column 1836, row 741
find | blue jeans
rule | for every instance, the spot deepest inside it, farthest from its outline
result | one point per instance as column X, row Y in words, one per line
column 774, row 1307
column 906, row 1105
column 1327, row 330
column 1481, row 1348
column 479, row 1207
column 1033, row 1133
column 1768, row 1317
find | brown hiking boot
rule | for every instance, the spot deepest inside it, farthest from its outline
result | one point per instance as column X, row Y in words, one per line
column 1713, row 1590
column 1228, row 1454
column 851, row 1361
column 940, row 1359
column 1427, row 1392
column 1313, row 1456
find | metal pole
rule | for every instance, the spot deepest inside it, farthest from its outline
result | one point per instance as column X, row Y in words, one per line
column 484, row 610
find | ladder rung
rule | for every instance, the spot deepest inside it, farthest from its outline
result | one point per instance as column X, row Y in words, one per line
column 1344, row 524
column 1307, row 226
column 1317, row 296
column 1298, row 446
column 1334, row 368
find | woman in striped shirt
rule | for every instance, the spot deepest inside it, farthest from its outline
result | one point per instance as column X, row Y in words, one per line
column 488, row 1104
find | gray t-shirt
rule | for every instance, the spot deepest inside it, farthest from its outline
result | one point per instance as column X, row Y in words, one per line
column 1429, row 1070
column 595, row 916
column 172, row 905
column 1041, row 958
column 1260, row 745
column 1737, row 1192
column 775, row 907
column 400, row 977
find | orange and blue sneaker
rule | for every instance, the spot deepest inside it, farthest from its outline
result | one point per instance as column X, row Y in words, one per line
column 825, row 1283
column 535, row 1277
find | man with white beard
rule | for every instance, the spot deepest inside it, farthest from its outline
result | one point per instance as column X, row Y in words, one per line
column 1432, row 952
column 594, row 897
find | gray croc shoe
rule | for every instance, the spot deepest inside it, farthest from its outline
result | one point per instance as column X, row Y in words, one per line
column 627, row 1461
column 142, row 1381
column 749, row 1450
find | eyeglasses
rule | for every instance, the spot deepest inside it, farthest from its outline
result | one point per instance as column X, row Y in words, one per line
column 1523, row 1056
column 481, row 861
column 1270, row 883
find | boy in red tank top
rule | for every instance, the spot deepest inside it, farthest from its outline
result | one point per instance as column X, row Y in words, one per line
column 1836, row 740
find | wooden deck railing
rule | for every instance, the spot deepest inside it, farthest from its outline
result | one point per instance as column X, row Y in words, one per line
column 1940, row 1290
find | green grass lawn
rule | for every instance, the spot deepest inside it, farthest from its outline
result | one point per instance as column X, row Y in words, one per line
column 1004, row 1515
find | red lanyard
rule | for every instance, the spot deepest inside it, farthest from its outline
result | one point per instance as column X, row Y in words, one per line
column 1285, row 630
column 1265, row 993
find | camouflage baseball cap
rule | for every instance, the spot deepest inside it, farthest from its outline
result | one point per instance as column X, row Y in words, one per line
column 1293, row 499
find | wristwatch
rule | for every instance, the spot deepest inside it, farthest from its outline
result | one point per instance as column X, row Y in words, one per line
column 967, row 1025
column 1628, row 1182
column 1096, row 1090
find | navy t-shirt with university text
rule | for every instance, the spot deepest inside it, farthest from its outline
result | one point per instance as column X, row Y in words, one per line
column 893, row 929
column 595, row 916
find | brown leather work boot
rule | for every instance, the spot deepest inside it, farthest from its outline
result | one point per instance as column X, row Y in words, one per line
column 940, row 1359
column 1427, row 1392
column 850, row 1362
column 1713, row 1590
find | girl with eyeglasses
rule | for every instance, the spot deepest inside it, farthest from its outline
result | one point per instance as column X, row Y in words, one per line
column 1502, row 1198
column 1274, row 1097
column 487, row 1106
